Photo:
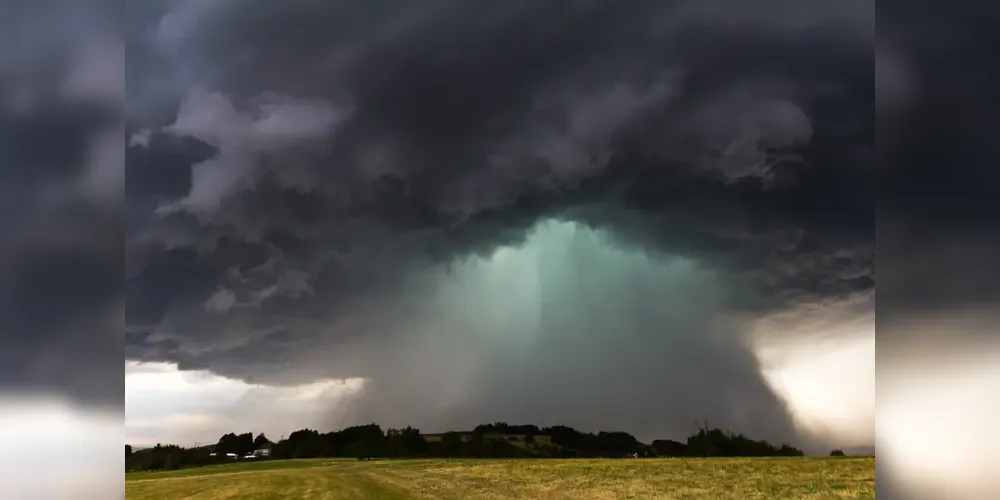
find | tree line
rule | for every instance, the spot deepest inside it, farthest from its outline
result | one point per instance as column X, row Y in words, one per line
column 497, row 440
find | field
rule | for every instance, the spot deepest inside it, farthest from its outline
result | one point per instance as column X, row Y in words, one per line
column 466, row 479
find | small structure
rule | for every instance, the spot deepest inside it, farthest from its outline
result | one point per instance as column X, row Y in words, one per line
column 263, row 451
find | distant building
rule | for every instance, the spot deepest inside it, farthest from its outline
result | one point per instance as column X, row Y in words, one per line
column 263, row 451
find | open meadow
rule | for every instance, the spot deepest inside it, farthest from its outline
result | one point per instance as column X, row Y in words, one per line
column 467, row 479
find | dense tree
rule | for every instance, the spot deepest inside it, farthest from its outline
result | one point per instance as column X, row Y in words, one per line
column 305, row 443
column 494, row 440
column 241, row 445
column 166, row 457
column 669, row 448
column 617, row 443
column 569, row 438
column 717, row 443
column 260, row 441
column 406, row 442
column 451, row 445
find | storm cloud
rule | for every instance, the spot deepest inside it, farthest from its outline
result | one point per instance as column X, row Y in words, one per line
column 937, row 344
column 563, row 213
column 62, row 157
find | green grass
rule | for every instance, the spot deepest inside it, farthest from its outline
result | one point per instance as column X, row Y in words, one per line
column 461, row 479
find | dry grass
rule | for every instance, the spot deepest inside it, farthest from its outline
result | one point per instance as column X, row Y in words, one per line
column 326, row 479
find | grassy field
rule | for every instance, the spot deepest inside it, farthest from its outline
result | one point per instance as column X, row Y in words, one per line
column 460, row 479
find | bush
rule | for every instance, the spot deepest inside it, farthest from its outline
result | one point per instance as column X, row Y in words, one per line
column 837, row 453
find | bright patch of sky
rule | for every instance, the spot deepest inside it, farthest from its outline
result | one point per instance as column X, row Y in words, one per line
column 167, row 405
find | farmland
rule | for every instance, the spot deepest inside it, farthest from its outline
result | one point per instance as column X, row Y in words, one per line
column 672, row 478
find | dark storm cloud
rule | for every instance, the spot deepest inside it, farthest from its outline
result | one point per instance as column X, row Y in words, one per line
column 938, row 239
column 937, row 158
column 293, row 193
column 61, row 143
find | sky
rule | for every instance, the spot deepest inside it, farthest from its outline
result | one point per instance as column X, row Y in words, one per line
column 615, row 217
column 484, row 215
